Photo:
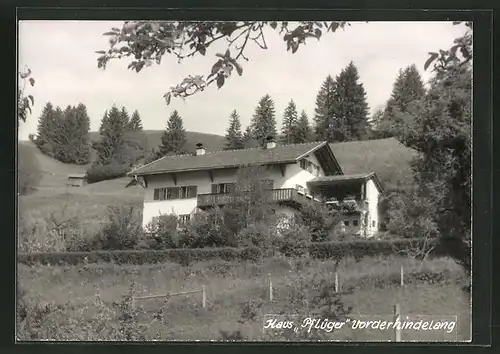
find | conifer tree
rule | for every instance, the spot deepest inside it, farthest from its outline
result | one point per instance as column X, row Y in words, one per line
column 135, row 123
column 248, row 139
column 46, row 126
column 125, row 117
column 112, row 138
column 407, row 89
column 263, row 121
column 303, row 130
column 290, row 120
column 351, row 108
column 174, row 137
column 234, row 137
column 325, row 110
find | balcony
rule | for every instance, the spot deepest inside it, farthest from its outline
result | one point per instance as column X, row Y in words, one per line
column 286, row 196
column 349, row 205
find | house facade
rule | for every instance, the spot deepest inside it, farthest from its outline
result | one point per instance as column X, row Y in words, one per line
column 294, row 175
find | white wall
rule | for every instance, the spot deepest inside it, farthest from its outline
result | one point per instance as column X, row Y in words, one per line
column 295, row 175
column 372, row 197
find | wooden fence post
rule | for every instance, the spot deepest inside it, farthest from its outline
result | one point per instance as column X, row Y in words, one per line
column 270, row 288
column 337, row 282
column 397, row 318
column 402, row 276
column 203, row 297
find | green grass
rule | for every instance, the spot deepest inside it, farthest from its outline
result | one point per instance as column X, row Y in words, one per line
column 228, row 286
column 387, row 157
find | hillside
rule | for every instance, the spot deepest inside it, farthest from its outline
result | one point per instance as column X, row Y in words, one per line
column 212, row 142
column 54, row 174
column 387, row 157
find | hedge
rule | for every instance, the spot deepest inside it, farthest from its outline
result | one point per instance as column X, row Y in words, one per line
column 184, row 256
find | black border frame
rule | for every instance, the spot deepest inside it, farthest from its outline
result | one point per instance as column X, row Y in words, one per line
column 482, row 135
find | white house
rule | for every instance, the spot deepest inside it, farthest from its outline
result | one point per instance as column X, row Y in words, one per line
column 295, row 174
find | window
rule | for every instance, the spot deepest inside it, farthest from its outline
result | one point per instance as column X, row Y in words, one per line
column 175, row 193
column 374, row 223
column 184, row 219
column 172, row 193
column 346, row 222
column 310, row 167
column 188, row 192
column 159, row 193
column 355, row 222
column 222, row 188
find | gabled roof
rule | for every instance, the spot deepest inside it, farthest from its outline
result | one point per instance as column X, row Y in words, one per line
column 332, row 180
column 281, row 154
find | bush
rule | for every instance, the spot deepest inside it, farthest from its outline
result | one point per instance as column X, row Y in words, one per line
column 164, row 232
column 184, row 256
column 123, row 229
column 362, row 248
column 97, row 173
column 294, row 241
column 320, row 220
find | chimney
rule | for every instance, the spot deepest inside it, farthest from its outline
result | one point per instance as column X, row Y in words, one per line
column 270, row 144
column 200, row 150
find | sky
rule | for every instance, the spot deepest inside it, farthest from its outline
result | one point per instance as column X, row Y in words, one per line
column 62, row 58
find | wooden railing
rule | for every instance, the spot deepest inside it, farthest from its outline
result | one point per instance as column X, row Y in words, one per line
column 282, row 195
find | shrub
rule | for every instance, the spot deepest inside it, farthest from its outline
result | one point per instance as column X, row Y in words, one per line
column 122, row 230
column 361, row 248
column 164, row 232
column 320, row 220
column 257, row 234
column 97, row 173
column 184, row 256
column 294, row 240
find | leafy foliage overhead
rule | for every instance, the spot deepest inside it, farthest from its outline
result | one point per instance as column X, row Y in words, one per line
column 146, row 42
column 24, row 102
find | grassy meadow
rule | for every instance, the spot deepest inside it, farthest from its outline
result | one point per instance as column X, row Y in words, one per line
column 89, row 302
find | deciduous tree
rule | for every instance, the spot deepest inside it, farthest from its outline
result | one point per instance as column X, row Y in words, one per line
column 146, row 42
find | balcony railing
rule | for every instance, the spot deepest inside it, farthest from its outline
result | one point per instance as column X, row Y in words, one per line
column 349, row 205
column 284, row 196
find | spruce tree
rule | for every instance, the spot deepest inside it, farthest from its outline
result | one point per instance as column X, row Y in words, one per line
column 408, row 88
column 290, row 120
column 104, row 121
column 248, row 139
column 82, row 123
column 325, row 110
column 125, row 117
column 46, row 125
column 110, row 146
column 135, row 123
column 234, row 137
column 351, row 116
column 302, row 130
column 264, row 121
column 174, row 136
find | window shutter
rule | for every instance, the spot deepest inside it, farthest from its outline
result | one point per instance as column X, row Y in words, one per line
column 192, row 191
column 230, row 187
column 214, row 188
column 156, row 195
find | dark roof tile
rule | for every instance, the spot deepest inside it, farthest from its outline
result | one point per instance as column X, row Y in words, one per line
column 227, row 159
